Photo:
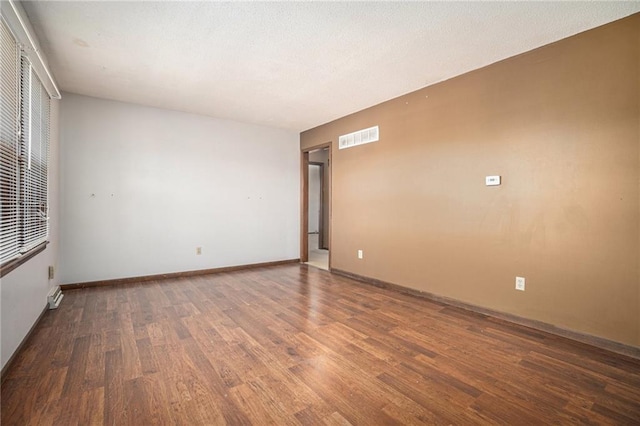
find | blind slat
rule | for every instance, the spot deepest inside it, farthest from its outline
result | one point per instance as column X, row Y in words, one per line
column 9, row 144
column 24, row 152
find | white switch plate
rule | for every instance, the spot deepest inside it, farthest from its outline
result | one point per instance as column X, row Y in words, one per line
column 520, row 283
column 492, row 180
column 360, row 256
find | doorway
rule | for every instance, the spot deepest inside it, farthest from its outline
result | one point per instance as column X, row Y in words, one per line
column 316, row 202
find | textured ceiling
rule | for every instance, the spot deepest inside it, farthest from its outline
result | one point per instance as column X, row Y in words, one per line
column 292, row 65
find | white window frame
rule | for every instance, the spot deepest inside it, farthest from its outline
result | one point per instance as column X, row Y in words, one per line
column 24, row 158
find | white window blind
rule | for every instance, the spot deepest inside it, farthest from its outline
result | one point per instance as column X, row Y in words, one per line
column 24, row 153
column 9, row 146
column 34, row 134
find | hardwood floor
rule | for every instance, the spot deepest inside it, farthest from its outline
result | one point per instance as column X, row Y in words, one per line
column 296, row 345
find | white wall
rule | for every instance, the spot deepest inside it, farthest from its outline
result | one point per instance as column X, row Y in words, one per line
column 23, row 291
column 322, row 156
column 142, row 187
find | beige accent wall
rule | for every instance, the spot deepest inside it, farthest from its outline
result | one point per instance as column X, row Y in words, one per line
column 561, row 125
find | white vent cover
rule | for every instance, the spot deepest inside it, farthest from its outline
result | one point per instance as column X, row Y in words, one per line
column 372, row 134
column 55, row 297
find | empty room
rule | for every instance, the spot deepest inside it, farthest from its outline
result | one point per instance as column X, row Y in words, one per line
column 319, row 213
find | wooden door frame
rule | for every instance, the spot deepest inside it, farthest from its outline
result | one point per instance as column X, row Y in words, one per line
column 304, row 201
column 321, row 213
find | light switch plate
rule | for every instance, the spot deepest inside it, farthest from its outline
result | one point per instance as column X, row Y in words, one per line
column 492, row 180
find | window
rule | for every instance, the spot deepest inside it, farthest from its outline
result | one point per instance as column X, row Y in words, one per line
column 24, row 152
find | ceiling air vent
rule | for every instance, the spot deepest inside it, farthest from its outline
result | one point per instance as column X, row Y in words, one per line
column 359, row 138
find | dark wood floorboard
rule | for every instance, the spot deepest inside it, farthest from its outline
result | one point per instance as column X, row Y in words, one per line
column 295, row 345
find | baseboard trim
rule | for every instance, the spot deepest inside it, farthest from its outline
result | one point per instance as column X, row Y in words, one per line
column 7, row 366
column 134, row 280
column 598, row 342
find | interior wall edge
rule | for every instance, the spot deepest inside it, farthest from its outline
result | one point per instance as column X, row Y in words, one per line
column 561, row 125
column 585, row 338
column 183, row 274
column 7, row 366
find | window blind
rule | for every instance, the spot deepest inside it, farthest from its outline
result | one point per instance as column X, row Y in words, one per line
column 34, row 134
column 9, row 144
column 24, row 152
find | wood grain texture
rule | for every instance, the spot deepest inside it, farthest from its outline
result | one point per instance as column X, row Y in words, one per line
column 599, row 342
column 296, row 345
column 135, row 280
column 7, row 366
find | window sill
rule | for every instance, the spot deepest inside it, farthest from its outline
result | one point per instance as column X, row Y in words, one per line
column 10, row 265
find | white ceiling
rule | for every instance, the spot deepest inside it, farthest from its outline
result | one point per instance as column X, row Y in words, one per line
column 292, row 65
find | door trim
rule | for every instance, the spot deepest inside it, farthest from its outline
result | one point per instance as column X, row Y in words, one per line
column 304, row 200
column 321, row 243
column 304, row 207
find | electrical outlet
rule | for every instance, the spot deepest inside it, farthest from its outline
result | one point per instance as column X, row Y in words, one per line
column 520, row 283
column 198, row 250
column 51, row 272
column 360, row 254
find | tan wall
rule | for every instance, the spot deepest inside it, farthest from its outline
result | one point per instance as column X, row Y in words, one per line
column 561, row 124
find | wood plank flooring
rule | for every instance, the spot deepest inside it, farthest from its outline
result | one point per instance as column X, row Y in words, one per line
column 295, row 345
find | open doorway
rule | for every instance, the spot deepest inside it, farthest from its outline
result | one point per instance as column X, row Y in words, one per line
column 316, row 194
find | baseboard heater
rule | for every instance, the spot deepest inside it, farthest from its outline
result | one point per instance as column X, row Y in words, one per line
column 55, row 297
